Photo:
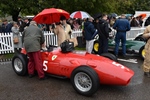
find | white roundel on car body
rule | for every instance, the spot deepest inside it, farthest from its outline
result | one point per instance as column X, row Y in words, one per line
column 119, row 65
column 54, row 57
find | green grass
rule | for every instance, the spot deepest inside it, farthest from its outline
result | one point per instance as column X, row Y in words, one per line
column 10, row 55
column 77, row 48
column 6, row 56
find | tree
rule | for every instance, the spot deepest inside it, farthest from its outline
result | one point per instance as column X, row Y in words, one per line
column 28, row 7
column 140, row 5
column 15, row 7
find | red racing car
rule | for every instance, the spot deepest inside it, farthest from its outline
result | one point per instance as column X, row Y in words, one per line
column 86, row 71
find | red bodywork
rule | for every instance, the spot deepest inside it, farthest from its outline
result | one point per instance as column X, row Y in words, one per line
column 62, row 64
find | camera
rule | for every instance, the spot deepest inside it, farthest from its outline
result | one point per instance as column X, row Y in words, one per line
column 53, row 26
column 69, row 32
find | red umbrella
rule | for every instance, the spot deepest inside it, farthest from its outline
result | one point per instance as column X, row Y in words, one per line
column 51, row 15
column 80, row 14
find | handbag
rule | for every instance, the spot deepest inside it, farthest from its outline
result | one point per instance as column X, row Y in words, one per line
column 67, row 46
column 16, row 40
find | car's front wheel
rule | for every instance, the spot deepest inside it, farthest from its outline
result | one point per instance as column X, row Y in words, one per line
column 19, row 64
column 96, row 46
column 142, row 52
column 85, row 80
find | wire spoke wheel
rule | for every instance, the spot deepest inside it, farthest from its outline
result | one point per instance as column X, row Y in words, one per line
column 83, row 82
column 18, row 65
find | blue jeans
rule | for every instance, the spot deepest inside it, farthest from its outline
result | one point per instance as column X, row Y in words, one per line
column 120, row 36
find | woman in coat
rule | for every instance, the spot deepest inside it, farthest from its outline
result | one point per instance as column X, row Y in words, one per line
column 59, row 31
column 146, row 63
column 16, row 34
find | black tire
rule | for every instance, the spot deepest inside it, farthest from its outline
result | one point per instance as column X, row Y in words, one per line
column 19, row 64
column 142, row 52
column 140, row 38
column 110, row 56
column 95, row 47
column 88, row 75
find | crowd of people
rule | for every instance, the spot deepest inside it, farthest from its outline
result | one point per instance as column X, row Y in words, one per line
column 15, row 27
column 102, row 27
column 33, row 38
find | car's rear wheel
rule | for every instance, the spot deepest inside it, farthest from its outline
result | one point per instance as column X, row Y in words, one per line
column 96, row 46
column 85, row 80
column 110, row 56
column 142, row 52
column 19, row 64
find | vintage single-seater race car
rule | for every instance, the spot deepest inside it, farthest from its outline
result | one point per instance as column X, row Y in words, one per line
column 132, row 47
column 86, row 71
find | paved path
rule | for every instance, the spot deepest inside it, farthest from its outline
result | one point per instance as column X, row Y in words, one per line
column 14, row 87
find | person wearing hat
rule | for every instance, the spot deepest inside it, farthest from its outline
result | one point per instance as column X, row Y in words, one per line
column 6, row 27
column 66, row 27
column 103, row 31
column 89, row 30
column 62, row 30
column 16, row 34
column 21, row 24
column 27, row 22
column 32, row 39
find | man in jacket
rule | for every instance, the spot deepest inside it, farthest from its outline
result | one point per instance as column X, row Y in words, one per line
column 89, row 30
column 121, row 25
column 21, row 24
column 6, row 27
column 103, row 31
column 32, row 39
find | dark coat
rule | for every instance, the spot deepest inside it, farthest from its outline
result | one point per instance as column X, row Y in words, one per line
column 134, row 23
column 33, row 38
column 89, row 30
column 103, row 29
column 21, row 25
column 7, row 28
column 27, row 24
column 147, row 22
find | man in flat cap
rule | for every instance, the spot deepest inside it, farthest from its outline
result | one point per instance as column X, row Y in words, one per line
column 32, row 39
column 6, row 27
column 89, row 30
